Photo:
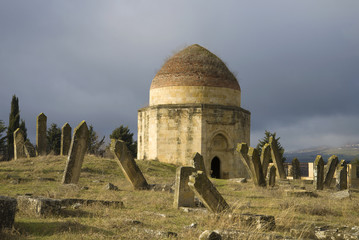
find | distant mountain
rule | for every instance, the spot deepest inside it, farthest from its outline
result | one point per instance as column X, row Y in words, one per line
column 347, row 152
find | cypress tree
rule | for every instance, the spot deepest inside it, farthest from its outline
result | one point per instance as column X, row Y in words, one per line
column 14, row 123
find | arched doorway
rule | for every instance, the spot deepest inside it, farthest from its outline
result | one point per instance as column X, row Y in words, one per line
column 216, row 168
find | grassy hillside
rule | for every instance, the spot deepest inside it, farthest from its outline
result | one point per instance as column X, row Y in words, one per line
column 148, row 213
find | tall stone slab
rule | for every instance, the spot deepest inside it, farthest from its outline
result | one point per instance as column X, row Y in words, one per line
column 342, row 176
column 318, row 173
column 198, row 162
column 19, row 144
column 128, row 165
column 207, row 192
column 271, row 176
column 41, row 138
column 65, row 139
column 296, row 169
column 329, row 170
column 265, row 158
column 276, row 158
column 184, row 196
column 7, row 212
column 76, row 155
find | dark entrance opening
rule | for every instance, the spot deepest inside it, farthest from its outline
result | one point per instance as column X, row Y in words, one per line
column 216, row 168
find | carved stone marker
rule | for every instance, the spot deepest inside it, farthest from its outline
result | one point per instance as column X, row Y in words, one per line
column 318, row 173
column 198, row 162
column 19, row 144
column 128, row 164
column 184, row 196
column 251, row 160
column 206, row 192
column 342, row 176
column 276, row 158
column 77, row 152
column 271, row 176
column 329, row 170
column 30, row 150
column 265, row 158
column 7, row 211
column 296, row 169
column 41, row 138
column 65, row 139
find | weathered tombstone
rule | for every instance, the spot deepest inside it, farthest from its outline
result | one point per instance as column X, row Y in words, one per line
column 206, row 192
column 296, row 169
column 318, row 173
column 276, row 158
column 198, row 163
column 65, row 139
column 128, row 164
column 30, row 150
column 265, row 158
column 7, row 211
column 184, row 196
column 19, row 144
column 271, row 176
column 41, row 138
column 76, row 155
column 342, row 176
column 329, row 170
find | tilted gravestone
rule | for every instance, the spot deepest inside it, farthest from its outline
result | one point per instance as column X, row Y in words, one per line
column 76, row 155
column 19, row 144
column 271, row 176
column 184, row 196
column 198, row 163
column 7, row 211
column 251, row 160
column 329, row 170
column 41, row 138
column 342, row 176
column 30, row 150
column 206, row 192
column 128, row 165
column 296, row 169
column 65, row 139
column 276, row 158
column 265, row 158
column 318, row 173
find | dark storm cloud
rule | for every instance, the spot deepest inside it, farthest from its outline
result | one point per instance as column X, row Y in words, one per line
column 296, row 61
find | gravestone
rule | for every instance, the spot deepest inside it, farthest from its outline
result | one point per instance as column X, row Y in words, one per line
column 276, row 158
column 41, row 138
column 271, row 176
column 318, row 173
column 265, row 158
column 296, row 169
column 128, row 165
column 30, row 150
column 7, row 211
column 198, row 163
column 65, row 139
column 76, row 155
column 329, row 170
column 206, row 192
column 342, row 176
column 184, row 196
column 19, row 144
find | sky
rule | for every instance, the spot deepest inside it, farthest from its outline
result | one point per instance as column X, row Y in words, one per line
column 297, row 62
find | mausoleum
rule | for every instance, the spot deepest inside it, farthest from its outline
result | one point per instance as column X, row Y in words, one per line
column 195, row 106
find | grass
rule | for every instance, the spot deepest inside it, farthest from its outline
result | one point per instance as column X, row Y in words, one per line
column 147, row 213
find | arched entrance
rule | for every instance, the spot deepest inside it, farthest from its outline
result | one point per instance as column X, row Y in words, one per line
column 216, row 168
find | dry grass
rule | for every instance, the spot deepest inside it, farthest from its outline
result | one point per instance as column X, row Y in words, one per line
column 147, row 214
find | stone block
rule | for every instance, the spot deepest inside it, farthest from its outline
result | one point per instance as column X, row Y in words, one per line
column 198, row 163
column 128, row 165
column 318, row 166
column 7, row 211
column 39, row 206
column 76, row 155
column 184, row 196
column 271, row 176
column 265, row 158
column 65, row 139
column 342, row 176
column 41, row 137
column 276, row 158
column 207, row 193
column 259, row 222
column 296, row 169
column 329, row 171
column 19, row 144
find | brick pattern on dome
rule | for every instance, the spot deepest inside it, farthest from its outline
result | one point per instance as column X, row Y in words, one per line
column 195, row 66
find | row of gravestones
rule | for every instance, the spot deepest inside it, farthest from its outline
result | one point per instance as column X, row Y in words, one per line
column 24, row 148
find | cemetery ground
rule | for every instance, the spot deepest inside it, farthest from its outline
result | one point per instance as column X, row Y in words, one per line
column 148, row 214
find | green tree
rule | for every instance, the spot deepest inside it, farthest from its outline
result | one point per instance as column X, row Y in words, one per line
column 14, row 123
column 265, row 140
column 94, row 146
column 124, row 134
column 3, row 138
column 54, row 139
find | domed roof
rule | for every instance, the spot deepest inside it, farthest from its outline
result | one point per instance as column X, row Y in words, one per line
column 195, row 66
